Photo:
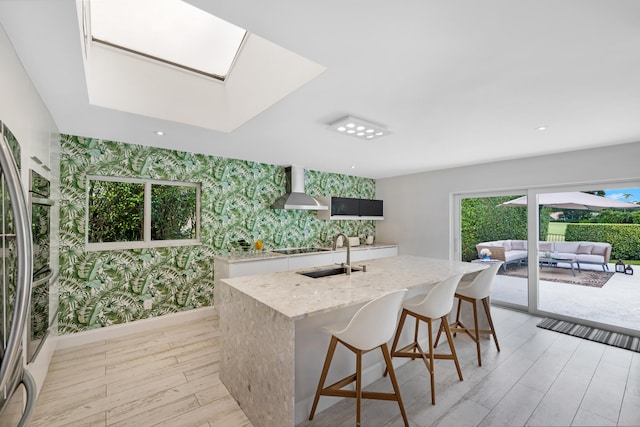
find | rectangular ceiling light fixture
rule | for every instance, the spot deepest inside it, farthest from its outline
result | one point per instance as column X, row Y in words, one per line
column 358, row 128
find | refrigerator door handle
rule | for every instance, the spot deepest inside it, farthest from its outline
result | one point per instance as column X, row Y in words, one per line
column 32, row 391
column 24, row 254
column 51, row 277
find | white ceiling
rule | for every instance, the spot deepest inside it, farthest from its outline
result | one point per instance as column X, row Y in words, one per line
column 457, row 82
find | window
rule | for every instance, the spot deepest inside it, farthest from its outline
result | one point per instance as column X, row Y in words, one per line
column 173, row 212
column 171, row 31
column 133, row 213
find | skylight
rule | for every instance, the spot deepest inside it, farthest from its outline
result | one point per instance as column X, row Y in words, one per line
column 170, row 31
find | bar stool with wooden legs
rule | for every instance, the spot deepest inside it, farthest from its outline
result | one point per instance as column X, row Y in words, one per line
column 434, row 305
column 371, row 327
column 478, row 290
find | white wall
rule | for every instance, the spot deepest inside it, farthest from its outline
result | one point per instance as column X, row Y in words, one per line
column 24, row 113
column 418, row 208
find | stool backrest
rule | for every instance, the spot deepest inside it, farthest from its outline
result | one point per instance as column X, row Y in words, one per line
column 374, row 323
column 439, row 301
column 480, row 287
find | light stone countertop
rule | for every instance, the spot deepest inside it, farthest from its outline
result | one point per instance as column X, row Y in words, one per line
column 253, row 255
column 297, row 296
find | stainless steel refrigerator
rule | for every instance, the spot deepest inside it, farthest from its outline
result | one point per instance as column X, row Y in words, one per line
column 17, row 388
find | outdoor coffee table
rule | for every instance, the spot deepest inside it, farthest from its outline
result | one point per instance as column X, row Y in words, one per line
column 553, row 262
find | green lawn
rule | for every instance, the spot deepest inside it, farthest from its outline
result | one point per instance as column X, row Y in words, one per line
column 557, row 228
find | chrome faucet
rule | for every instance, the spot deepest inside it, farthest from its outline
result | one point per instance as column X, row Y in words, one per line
column 335, row 244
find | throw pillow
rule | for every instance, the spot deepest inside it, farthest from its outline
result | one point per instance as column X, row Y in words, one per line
column 585, row 249
column 544, row 246
column 519, row 245
column 599, row 250
column 507, row 246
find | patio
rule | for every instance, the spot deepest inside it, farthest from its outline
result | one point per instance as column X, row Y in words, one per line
column 615, row 303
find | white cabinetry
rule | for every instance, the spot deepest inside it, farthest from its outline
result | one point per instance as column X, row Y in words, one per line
column 382, row 252
column 224, row 268
column 365, row 253
column 314, row 260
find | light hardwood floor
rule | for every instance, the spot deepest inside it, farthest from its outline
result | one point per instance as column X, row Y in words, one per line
column 165, row 377
column 170, row 377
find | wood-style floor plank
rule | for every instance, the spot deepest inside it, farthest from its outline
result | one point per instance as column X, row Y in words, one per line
column 169, row 377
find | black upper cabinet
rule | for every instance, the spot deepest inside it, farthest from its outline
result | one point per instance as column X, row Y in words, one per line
column 345, row 206
column 371, row 207
column 351, row 208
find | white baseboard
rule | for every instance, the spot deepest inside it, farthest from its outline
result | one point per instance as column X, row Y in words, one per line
column 87, row 337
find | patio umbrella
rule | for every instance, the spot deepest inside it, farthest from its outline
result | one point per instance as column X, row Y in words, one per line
column 574, row 200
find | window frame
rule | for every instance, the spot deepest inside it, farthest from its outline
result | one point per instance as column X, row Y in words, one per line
column 147, row 242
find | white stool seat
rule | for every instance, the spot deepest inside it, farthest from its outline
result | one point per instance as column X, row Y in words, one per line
column 371, row 327
column 373, row 324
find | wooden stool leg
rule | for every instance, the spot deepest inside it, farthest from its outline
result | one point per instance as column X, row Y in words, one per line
column 447, row 331
column 415, row 335
column 323, row 376
column 457, row 323
column 431, row 360
column 394, row 381
column 438, row 336
column 358, row 386
column 477, row 333
column 394, row 346
column 487, row 310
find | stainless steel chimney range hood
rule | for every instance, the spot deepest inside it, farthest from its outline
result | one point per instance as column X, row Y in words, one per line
column 295, row 197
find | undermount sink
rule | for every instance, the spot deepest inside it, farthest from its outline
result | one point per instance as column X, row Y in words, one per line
column 334, row 271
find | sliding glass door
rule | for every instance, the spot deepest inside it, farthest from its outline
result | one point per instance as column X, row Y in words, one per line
column 589, row 233
column 570, row 254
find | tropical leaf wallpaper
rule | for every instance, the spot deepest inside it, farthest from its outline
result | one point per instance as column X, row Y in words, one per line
column 104, row 288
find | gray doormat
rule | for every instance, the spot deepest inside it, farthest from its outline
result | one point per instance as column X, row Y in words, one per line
column 627, row 342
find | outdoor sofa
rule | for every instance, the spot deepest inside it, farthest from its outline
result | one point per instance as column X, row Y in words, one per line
column 515, row 251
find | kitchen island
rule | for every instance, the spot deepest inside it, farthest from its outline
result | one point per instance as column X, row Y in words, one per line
column 271, row 339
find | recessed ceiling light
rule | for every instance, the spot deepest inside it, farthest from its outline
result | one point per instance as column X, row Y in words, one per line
column 359, row 128
column 159, row 133
column 541, row 128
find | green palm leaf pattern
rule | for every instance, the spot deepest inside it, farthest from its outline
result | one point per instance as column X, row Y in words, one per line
column 99, row 289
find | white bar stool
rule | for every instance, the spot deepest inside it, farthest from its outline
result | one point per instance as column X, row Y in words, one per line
column 478, row 290
column 371, row 327
column 434, row 305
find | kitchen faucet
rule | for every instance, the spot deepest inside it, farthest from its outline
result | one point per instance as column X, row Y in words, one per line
column 335, row 244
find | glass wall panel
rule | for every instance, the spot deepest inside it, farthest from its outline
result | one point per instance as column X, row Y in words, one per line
column 490, row 229
column 588, row 253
